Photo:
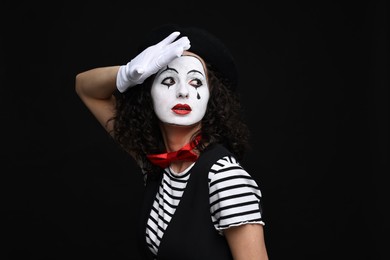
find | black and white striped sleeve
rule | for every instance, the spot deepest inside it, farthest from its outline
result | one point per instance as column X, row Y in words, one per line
column 234, row 195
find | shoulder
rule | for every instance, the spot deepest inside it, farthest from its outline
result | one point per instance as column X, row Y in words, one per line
column 227, row 167
column 226, row 163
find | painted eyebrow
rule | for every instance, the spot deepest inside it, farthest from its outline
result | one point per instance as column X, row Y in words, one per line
column 168, row 68
column 191, row 71
column 196, row 71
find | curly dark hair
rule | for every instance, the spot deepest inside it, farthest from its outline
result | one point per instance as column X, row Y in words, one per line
column 136, row 127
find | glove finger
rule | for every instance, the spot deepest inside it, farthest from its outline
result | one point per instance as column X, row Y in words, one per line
column 136, row 72
column 169, row 39
column 174, row 50
column 170, row 55
column 183, row 43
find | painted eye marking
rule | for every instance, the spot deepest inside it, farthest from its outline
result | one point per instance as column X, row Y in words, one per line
column 169, row 81
column 196, row 83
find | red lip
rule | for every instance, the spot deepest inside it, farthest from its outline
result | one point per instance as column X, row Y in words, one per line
column 182, row 109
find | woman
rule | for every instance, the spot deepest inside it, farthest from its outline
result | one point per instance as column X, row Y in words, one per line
column 174, row 109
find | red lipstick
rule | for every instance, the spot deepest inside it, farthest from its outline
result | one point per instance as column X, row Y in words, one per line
column 181, row 109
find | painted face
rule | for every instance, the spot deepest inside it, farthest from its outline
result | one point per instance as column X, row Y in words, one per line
column 180, row 92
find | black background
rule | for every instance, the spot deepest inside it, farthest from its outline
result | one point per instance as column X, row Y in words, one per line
column 315, row 93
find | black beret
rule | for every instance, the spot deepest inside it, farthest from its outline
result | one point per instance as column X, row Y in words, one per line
column 210, row 48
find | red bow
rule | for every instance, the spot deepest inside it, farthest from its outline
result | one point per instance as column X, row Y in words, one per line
column 184, row 154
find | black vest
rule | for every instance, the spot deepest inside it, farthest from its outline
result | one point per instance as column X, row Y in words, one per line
column 190, row 233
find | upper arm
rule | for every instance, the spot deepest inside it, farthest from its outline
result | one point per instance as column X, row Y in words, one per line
column 95, row 88
column 102, row 109
column 246, row 242
column 236, row 209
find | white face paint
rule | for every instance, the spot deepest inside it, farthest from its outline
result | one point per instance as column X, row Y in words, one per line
column 180, row 92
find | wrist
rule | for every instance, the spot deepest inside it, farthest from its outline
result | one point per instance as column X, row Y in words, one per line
column 122, row 81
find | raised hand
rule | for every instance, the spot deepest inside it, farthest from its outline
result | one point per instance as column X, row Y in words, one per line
column 151, row 60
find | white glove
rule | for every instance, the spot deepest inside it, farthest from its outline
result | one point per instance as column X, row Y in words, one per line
column 151, row 60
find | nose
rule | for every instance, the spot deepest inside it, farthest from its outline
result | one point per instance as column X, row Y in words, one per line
column 182, row 90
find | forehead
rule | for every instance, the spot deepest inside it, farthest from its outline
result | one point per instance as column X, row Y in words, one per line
column 187, row 62
column 188, row 53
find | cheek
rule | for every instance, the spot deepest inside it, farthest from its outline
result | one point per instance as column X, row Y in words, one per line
column 161, row 99
column 203, row 97
column 201, row 104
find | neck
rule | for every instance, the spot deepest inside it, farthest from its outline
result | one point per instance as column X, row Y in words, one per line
column 175, row 137
column 179, row 167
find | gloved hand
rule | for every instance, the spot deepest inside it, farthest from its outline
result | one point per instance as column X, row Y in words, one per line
column 150, row 60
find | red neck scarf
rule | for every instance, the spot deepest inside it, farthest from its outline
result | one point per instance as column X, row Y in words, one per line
column 184, row 154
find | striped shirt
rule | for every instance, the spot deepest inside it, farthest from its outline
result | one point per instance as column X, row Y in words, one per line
column 234, row 199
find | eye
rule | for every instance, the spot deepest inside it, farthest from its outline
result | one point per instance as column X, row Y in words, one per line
column 169, row 81
column 196, row 83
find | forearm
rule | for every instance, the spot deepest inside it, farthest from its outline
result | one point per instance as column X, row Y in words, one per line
column 98, row 83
